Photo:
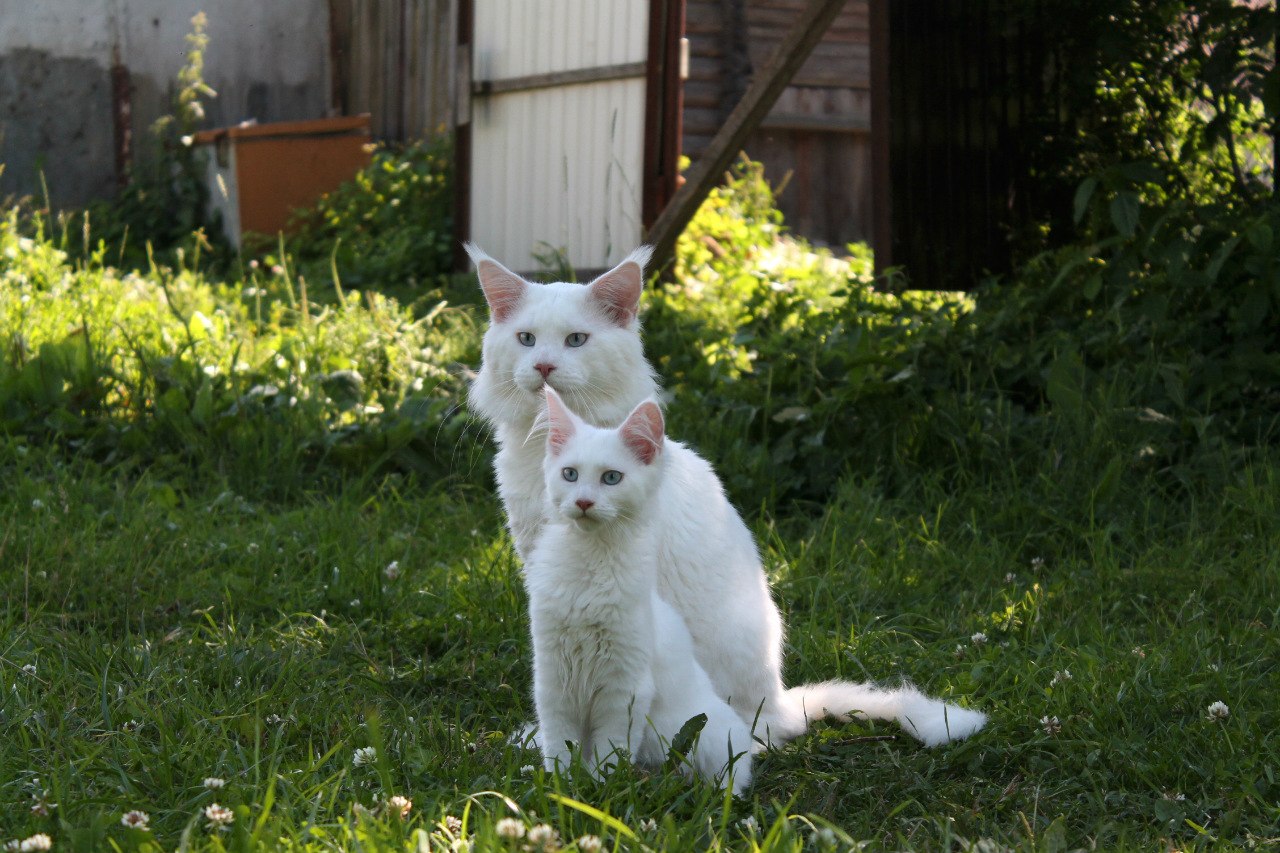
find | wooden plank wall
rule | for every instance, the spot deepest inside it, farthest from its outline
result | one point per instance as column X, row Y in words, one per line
column 819, row 131
column 395, row 60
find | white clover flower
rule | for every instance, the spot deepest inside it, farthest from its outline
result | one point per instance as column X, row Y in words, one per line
column 451, row 824
column 978, row 638
column 648, row 825
column 1060, row 676
column 1010, row 577
column 392, row 571
column 274, row 719
column 399, row 806
column 253, row 548
column 11, row 846
column 825, row 837
column 1138, row 652
column 218, row 816
column 542, row 836
column 213, row 783
column 1037, row 562
column 1051, row 725
column 136, row 819
column 355, row 602
column 749, row 824
column 39, row 841
column 37, row 504
column 589, row 844
column 1173, row 796
column 1219, row 711
column 461, row 845
column 527, row 770
column 29, row 669
column 509, row 828
column 364, row 755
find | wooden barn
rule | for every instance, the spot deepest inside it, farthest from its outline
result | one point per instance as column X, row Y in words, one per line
column 818, row 134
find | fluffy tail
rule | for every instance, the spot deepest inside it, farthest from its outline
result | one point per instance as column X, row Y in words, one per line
column 930, row 721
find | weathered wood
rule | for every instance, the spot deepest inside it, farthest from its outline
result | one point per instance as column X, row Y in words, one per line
column 746, row 116
column 881, row 200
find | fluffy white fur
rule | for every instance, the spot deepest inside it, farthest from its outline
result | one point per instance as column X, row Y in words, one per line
column 614, row 667
column 708, row 566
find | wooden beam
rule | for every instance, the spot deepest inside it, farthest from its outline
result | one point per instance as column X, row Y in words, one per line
column 746, row 117
column 598, row 74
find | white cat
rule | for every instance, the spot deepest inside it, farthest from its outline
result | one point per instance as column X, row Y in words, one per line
column 584, row 341
column 613, row 665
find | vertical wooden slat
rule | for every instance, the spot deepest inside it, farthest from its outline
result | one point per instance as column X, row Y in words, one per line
column 882, row 119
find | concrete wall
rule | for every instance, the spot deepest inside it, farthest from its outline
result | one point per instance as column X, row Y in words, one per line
column 266, row 60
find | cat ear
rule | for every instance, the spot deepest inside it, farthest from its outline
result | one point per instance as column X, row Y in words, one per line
column 560, row 422
column 617, row 292
column 503, row 289
column 642, row 431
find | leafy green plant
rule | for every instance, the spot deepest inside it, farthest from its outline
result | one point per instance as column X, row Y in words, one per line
column 254, row 376
column 804, row 360
column 390, row 228
column 162, row 208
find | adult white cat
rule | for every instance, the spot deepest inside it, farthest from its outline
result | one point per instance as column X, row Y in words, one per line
column 613, row 664
column 584, row 341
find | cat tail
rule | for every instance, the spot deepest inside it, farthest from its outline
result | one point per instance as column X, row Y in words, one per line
column 930, row 721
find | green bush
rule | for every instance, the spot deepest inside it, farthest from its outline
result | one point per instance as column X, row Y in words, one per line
column 252, row 379
column 390, row 228
column 787, row 365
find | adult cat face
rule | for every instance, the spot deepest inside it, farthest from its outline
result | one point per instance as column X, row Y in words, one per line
column 599, row 476
column 581, row 340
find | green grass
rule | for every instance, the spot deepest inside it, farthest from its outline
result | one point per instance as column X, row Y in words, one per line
column 179, row 631
column 204, row 483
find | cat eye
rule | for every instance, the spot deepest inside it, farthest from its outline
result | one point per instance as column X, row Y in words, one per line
column 576, row 339
column 570, row 474
column 525, row 338
column 611, row 478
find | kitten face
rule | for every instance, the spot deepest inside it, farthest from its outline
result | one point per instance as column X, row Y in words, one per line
column 597, row 477
column 581, row 340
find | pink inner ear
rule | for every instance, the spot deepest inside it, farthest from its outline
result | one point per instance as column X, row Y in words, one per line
column 642, row 432
column 503, row 289
column 559, row 423
column 617, row 292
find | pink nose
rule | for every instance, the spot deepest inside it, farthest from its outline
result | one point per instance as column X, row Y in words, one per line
column 584, row 504
column 544, row 369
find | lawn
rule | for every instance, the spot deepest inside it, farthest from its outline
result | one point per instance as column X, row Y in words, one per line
column 157, row 636
column 256, row 586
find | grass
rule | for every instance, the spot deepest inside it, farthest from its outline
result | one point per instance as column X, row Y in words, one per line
column 179, row 632
column 247, row 533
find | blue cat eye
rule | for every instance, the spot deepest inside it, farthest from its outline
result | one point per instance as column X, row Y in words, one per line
column 525, row 338
column 570, row 474
column 576, row 339
column 611, row 478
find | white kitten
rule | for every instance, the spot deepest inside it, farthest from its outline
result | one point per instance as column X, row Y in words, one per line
column 614, row 667
column 584, row 341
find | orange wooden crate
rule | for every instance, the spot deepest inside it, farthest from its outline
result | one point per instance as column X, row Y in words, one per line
column 259, row 174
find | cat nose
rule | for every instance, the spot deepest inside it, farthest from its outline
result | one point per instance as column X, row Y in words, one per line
column 544, row 368
column 584, row 504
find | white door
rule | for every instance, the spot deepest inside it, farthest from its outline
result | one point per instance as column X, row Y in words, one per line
column 557, row 129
